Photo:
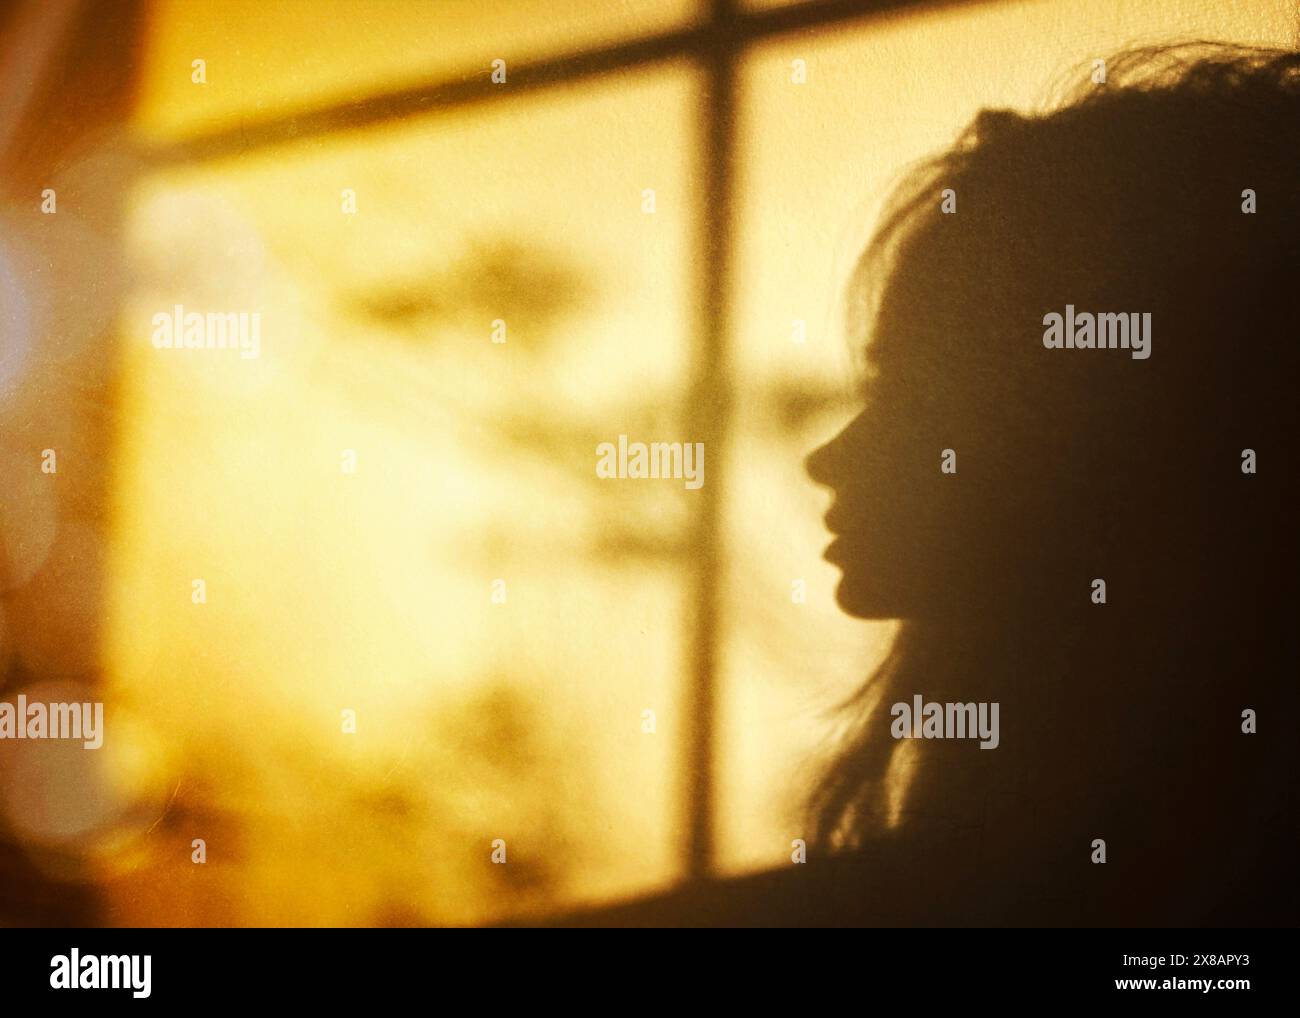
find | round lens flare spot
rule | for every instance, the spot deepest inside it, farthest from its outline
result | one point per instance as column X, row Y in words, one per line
column 81, row 797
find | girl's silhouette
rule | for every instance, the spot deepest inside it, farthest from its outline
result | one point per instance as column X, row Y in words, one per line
column 1168, row 191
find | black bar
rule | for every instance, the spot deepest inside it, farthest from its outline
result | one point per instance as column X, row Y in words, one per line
column 480, row 970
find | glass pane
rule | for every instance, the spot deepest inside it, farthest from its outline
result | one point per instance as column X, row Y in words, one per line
column 815, row 161
column 396, row 512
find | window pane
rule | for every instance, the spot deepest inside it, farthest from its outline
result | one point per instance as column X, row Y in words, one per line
column 816, row 159
column 353, row 495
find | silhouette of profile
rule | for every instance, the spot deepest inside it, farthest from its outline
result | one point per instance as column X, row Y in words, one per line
column 997, row 473
column 1170, row 191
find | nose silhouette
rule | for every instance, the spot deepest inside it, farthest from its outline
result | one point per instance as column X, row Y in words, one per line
column 817, row 464
column 826, row 465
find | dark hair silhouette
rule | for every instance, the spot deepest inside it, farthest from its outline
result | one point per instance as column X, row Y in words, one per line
column 1120, row 721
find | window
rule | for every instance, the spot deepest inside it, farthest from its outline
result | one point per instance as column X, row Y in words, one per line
column 464, row 287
